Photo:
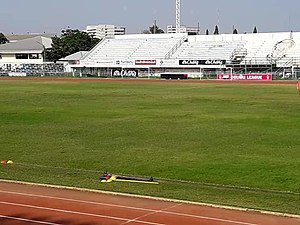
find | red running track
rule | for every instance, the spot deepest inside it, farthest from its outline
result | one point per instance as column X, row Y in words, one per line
column 143, row 80
column 23, row 204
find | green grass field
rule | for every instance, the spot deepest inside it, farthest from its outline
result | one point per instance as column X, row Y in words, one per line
column 227, row 144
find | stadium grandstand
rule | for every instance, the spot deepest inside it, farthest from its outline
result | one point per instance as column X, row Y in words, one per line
column 177, row 52
column 153, row 54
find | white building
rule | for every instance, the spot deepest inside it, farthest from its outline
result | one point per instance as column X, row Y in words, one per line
column 189, row 30
column 27, row 51
column 104, row 30
column 73, row 59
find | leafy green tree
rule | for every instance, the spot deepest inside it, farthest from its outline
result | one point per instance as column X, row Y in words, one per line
column 70, row 41
column 3, row 39
column 216, row 30
column 155, row 30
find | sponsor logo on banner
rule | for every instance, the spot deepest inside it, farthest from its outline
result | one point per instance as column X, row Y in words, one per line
column 189, row 62
column 215, row 62
column 145, row 62
column 167, row 62
column 87, row 63
column 124, row 73
column 244, row 76
column 105, row 62
column 202, row 62
column 124, row 62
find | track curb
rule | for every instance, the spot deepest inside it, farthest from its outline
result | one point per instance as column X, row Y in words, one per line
column 264, row 212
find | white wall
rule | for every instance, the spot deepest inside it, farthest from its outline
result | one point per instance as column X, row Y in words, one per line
column 9, row 58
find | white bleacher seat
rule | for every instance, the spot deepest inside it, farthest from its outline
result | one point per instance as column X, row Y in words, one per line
column 135, row 47
column 258, row 48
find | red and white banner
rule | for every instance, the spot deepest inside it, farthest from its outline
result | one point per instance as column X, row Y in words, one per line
column 244, row 77
column 145, row 62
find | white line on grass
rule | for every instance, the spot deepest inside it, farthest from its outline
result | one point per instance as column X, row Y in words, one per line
column 233, row 187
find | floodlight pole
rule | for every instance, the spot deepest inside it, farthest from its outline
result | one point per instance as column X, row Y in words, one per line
column 178, row 16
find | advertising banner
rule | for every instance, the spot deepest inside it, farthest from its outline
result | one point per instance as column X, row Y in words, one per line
column 168, row 62
column 124, row 62
column 201, row 62
column 124, row 73
column 244, row 77
column 105, row 62
column 145, row 62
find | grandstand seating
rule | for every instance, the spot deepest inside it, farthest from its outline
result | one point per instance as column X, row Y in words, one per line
column 195, row 49
column 257, row 47
column 260, row 47
column 134, row 47
column 250, row 49
column 292, row 55
column 32, row 69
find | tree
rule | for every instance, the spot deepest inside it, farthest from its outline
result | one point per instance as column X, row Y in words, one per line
column 207, row 32
column 216, row 30
column 3, row 39
column 235, row 31
column 255, row 30
column 70, row 41
column 155, row 30
column 146, row 32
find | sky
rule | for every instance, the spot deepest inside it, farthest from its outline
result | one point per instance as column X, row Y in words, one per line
column 52, row 16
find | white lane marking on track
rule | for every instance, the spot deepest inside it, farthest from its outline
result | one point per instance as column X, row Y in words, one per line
column 149, row 214
column 79, row 201
column 211, row 218
column 129, row 207
column 27, row 220
column 76, row 212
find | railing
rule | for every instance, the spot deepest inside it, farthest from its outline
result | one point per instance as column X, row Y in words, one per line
column 255, row 61
column 175, row 47
column 92, row 50
column 280, row 49
column 239, row 54
column 135, row 50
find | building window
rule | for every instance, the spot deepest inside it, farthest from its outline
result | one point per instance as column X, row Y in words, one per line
column 21, row 56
